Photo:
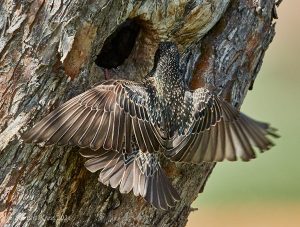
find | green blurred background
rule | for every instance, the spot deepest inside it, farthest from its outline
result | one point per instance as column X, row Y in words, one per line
column 266, row 191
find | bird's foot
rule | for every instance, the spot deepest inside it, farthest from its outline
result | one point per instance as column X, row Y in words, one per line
column 106, row 74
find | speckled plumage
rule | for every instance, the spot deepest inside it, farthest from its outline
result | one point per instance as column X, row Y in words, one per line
column 122, row 127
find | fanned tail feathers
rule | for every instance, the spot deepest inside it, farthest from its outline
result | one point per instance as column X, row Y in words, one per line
column 136, row 171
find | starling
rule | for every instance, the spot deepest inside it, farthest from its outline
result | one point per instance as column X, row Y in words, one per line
column 123, row 126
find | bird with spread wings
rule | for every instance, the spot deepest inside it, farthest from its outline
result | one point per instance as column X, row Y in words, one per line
column 123, row 126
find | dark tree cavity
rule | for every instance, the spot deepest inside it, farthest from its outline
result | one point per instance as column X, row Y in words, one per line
column 118, row 46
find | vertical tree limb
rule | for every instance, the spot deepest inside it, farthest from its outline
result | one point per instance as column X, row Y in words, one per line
column 47, row 54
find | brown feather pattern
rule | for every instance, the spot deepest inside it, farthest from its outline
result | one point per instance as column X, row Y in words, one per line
column 138, row 172
column 219, row 132
column 121, row 127
column 104, row 116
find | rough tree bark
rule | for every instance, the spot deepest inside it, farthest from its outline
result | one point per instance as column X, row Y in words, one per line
column 47, row 54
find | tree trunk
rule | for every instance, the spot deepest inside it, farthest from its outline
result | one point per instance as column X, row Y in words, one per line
column 47, row 55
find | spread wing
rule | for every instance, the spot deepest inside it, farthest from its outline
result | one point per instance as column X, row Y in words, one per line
column 109, row 115
column 218, row 131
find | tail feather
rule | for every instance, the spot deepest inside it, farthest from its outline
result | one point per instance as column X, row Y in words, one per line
column 161, row 193
column 126, row 184
column 138, row 172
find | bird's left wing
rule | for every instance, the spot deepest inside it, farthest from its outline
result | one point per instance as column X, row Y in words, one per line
column 218, row 131
column 109, row 115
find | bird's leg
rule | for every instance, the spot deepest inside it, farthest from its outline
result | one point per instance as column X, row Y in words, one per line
column 225, row 92
column 106, row 74
column 109, row 73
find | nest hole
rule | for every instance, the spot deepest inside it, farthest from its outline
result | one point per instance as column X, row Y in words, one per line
column 118, row 46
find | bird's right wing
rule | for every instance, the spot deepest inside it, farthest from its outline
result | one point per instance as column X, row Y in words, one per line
column 109, row 115
column 219, row 131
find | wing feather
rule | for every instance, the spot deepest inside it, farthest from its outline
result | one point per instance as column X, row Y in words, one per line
column 104, row 116
column 218, row 131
